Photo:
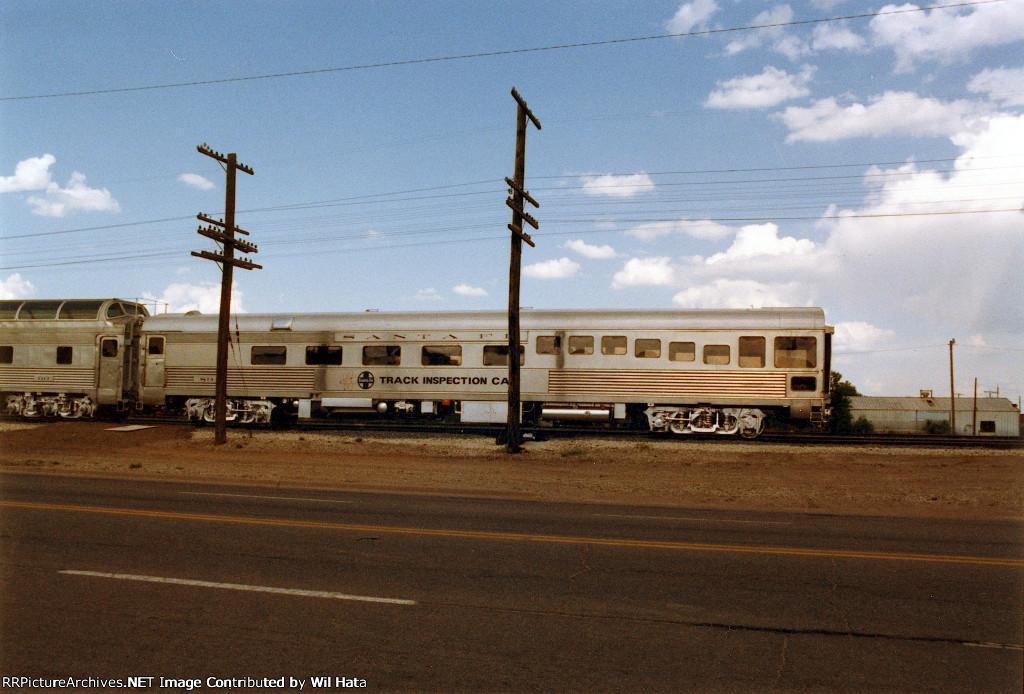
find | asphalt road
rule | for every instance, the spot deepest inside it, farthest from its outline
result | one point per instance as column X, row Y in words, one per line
column 117, row 579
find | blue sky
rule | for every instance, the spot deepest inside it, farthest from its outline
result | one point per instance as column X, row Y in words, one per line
column 871, row 165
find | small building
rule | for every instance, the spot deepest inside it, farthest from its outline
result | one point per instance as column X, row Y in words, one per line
column 994, row 416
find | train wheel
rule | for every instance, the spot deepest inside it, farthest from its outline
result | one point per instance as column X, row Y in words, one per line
column 752, row 433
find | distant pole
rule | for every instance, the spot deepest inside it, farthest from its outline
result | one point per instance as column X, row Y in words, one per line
column 974, row 422
column 223, row 232
column 512, row 435
column 952, row 393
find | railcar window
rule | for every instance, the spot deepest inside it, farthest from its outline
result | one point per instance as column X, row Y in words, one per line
column 796, row 352
column 64, row 355
column 441, row 355
column 497, row 355
column 108, row 348
column 156, row 346
column 39, row 310
column 581, row 344
column 323, row 355
column 752, row 351
column 6, row 354
column 716, row 354
column 804, row 384
column 135, row 309
column 645, row 348
column 80, row 310
column 549, row 344
column 115, row 311
column 9, row 309
column 382, row 355
column 267, row 355
column 682, row 351
column 613, row 344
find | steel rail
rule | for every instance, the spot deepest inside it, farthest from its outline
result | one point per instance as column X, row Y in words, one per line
column 547, row 432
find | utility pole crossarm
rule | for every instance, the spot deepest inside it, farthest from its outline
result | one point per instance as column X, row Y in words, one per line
column 221, row 237
column 526, row 109
column 223, row 159
column 518, row 189
column 242, row 263
column 518, row 231
column 218, row 222
column 519, row 211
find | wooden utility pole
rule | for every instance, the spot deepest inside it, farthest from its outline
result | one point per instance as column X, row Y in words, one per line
column 974, row 423
column 223, row 232
column 952, row 392
column 517, row 195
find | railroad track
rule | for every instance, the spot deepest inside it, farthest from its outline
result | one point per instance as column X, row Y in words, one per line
column 540, row 433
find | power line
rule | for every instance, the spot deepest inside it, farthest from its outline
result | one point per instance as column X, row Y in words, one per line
column 392, row 196
column 491, row 54
column 388, row 235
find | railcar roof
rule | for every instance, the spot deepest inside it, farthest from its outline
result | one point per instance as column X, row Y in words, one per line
column 69, row 309
column 530, row 319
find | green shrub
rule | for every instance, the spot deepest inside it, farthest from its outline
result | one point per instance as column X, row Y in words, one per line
column 938, row 427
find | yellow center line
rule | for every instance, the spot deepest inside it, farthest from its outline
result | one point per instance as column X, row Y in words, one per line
column 525, row 537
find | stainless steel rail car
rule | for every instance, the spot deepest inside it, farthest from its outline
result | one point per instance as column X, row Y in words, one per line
column 69, row 357
column 699, row 371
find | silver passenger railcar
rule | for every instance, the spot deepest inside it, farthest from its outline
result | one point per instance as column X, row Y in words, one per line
column 66, row 358
column 684, row 371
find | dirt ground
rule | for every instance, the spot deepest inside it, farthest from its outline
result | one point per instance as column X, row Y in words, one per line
column 973, row 483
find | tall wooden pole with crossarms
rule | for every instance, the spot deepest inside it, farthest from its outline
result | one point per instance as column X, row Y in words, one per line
column 223, row 232
column 517, row 195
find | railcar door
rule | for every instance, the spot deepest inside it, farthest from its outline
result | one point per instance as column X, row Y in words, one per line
column 109, row 386
column 154, row 362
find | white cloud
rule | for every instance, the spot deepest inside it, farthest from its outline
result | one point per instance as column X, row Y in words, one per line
column 792, row 47
column 1002, row 85
column 858, row 336
column 16, row 287
column 835, row 37
column 945, row 34
column 205, row 298
column 196, row 181
column 618, row 186
column 771, row 87
column 34, row 175
column 467, row 290
column 644, row 272
column 892, row 113
column 697, row 228
column 977, row 341
column 690, row 15
column 780, row 14
column 589, row 251
column 427, row 294
column 29, row 174
column 778, row 33
column 727, row 293
column 552, row 269
column 946, row 270
column 759, row 240
column 58, row 202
